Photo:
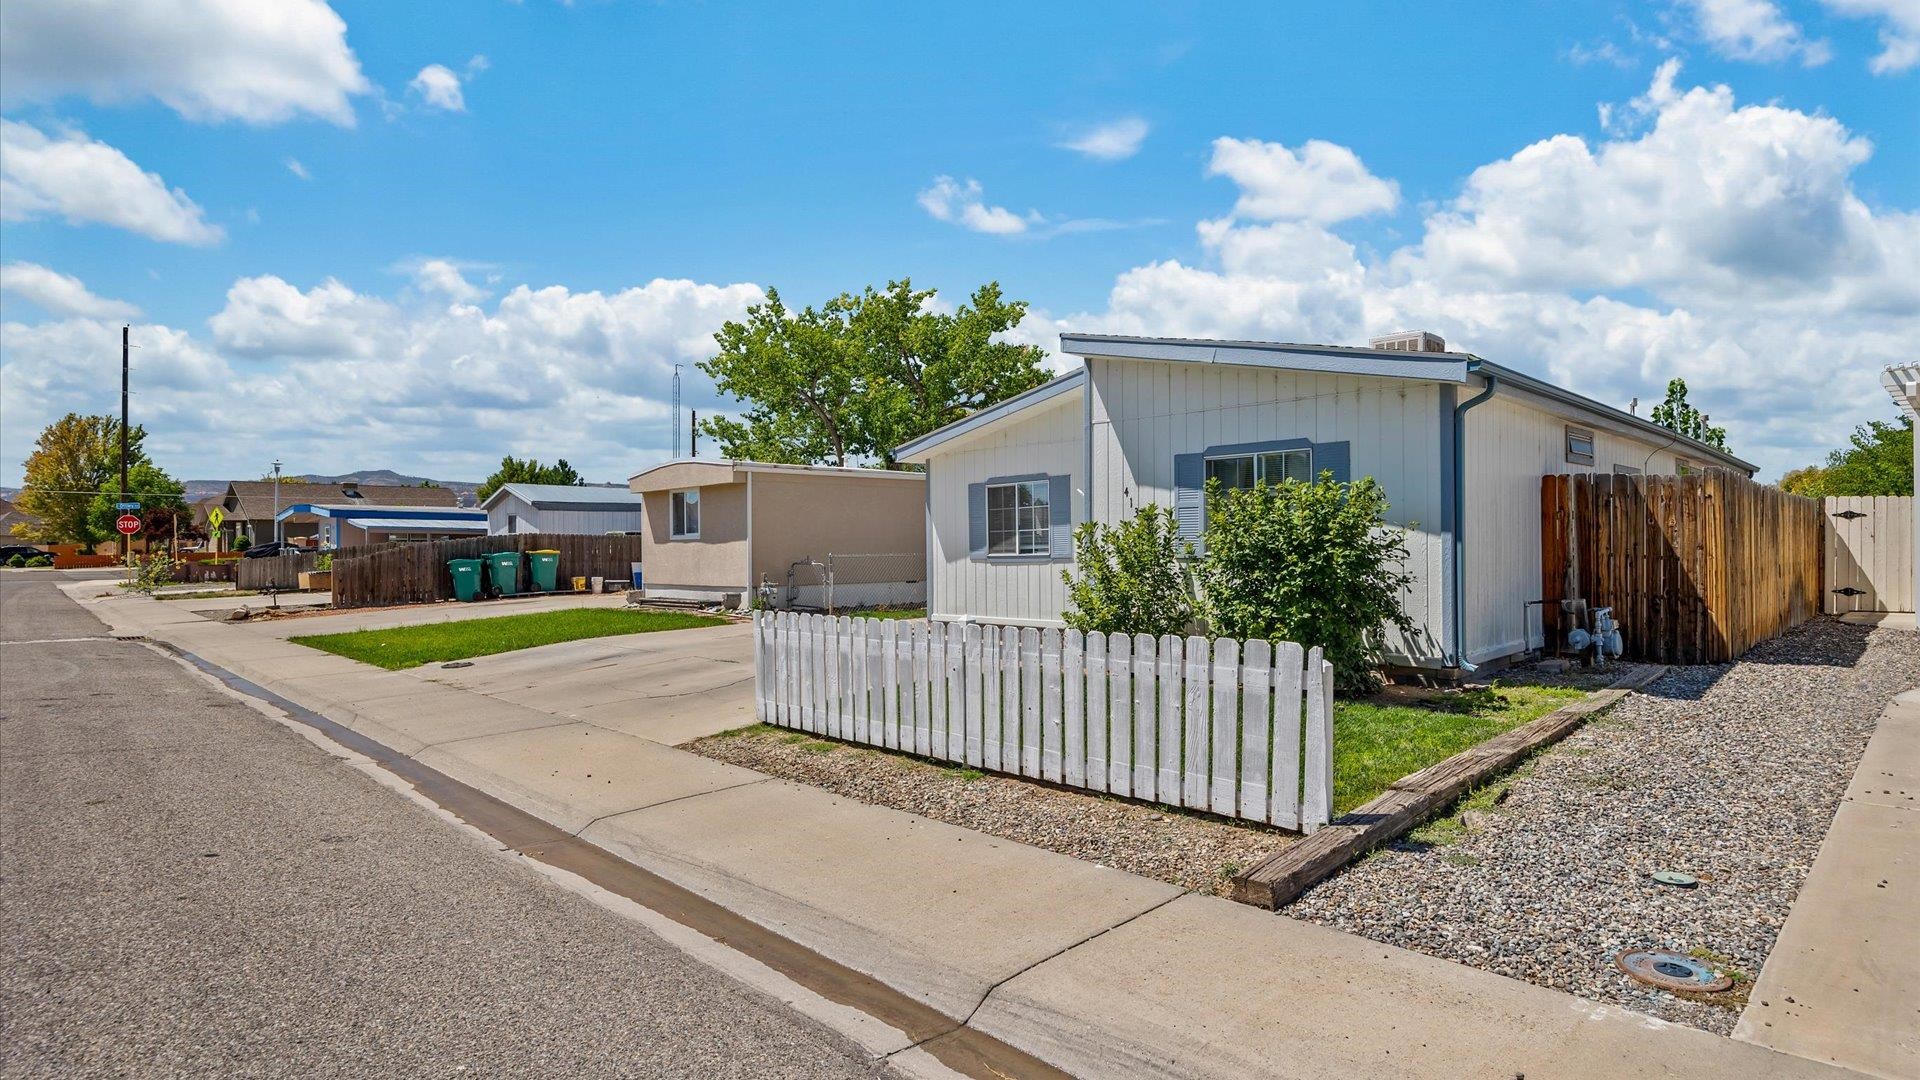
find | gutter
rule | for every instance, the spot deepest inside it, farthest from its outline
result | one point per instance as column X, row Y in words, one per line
column 1459, row 582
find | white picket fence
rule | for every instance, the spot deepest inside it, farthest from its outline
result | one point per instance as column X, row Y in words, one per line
column 1243, row 730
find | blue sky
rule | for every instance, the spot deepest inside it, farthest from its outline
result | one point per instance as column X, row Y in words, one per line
column 354, row 261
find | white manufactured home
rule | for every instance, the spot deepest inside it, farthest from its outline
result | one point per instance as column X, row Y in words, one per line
column 1458, row 443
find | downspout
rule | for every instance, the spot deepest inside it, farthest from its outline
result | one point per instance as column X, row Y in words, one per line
column 1460, row 519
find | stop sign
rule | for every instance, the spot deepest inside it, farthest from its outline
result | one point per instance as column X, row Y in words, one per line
column 127, row 524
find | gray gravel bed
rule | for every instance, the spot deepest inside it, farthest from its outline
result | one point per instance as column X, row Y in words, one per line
column 1730, row 772
column 1187, row 850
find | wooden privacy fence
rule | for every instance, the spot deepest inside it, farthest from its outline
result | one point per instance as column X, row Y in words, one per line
column 1869, row 553
column 1240, row 730
column 275, row 571
column 416, row 573
column 1697, row 569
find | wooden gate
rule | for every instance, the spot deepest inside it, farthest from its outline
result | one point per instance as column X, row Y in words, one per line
column 1869, row 553
column 1697, row 569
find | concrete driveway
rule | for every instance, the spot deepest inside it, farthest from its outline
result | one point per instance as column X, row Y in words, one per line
column 669, row 686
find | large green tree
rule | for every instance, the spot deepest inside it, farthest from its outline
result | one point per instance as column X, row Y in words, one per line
column 159, row 496
column 514, row 470
column 1678, row 415
column 1879, row 462
column 75, row 458
column 863, row 374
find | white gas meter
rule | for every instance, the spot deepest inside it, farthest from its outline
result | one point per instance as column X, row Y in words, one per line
column 1604, row 638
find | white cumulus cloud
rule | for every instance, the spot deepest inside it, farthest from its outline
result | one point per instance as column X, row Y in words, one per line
column 1115, row 140
column 440, row 87
column 1755, row 30
column 964, row 204
column 205, row 59
column 1321, row 181
column 445, row 277
column 296, row 168
column 1899, row 31
column 60, row 294
column 435, row 388
column 85, row 181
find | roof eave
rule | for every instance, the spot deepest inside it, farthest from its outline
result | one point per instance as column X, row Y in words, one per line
column 980, row 418
column 1599, row 408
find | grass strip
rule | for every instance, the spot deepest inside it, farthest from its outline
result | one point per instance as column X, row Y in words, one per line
column 433, row 643
column 1376, row 742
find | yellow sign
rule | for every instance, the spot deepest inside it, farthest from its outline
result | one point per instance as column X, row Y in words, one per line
column 215, row 516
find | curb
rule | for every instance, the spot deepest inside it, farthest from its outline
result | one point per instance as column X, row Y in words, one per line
column 1278, row 878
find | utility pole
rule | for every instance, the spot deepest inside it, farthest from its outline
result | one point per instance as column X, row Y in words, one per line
column 276, row 500
column 693, row 435
column 125, row 331
column 676, row 411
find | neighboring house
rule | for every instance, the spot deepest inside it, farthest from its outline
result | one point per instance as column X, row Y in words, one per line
column 11, row 516
column 716, row 529
column 562, row 508
column 351, row 525
column 250, row 506
column 1149, row 420
column 1903, row 382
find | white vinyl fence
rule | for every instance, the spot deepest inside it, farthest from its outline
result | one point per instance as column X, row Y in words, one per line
column 1241, row 730
column 1870, row 553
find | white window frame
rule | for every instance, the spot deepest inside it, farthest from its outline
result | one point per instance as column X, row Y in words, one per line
column 1259, row 460
column 677, row 502
column 1592, row 452
column 1040, row 495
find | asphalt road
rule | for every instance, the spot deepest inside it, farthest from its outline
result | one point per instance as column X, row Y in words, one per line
column 190, row 889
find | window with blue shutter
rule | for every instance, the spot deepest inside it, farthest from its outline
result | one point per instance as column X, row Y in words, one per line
column 1241, row 465
column 1026, row 518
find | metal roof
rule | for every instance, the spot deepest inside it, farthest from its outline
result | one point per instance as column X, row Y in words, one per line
column 419, row 524
column 1450, row 367
column 569, row 497
column 385, row 513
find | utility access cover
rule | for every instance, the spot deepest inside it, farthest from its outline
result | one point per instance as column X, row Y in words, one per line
column 1671, row 971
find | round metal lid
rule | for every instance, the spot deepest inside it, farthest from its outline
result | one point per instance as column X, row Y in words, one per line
column 1675, row 878
column 1671, row 971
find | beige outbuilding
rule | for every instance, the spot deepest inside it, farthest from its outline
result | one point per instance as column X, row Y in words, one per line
column 809, row 536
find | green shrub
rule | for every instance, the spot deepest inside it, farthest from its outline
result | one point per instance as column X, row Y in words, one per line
column 151, row 572
column 323, row 563
column 242, row 542
column 39, row 561
column 17, row 561
column 1131, row 578
column 1310, row 563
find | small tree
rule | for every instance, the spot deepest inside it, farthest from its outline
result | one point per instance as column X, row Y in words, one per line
column 1678, row 415
column 1131, row 578
column 1310, row 563
column 512, row 470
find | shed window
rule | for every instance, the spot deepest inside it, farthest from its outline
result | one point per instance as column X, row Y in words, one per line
column 1683, row 467
column 1245, row 470
column 686, row 514
column 1579, row 446
column 1019, row 518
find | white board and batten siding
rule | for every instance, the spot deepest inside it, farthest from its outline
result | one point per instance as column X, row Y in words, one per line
column 1511, row 444
column 1049, row 439
column 1242, row 730
column 1145, row 412
column 1870, row 553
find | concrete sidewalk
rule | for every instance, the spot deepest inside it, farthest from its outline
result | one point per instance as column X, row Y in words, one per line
column 1843, row 982
column 1099, row 972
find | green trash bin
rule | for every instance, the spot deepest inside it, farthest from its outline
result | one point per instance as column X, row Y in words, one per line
column 466, row 577
column 543, row 567
column 503, row 569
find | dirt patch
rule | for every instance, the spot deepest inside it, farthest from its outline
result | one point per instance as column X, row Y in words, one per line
column 1189, row 850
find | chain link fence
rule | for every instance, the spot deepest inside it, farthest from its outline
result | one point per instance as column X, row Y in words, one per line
column 857, row 582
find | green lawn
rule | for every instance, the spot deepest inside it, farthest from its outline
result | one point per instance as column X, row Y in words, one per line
column 1376, row 742
column 434, row 643
column 891, row 613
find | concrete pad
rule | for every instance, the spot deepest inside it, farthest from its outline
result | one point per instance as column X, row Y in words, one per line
column 411, row 722
column 939, row 912
column 1849, row 954
column 1204, row 987
column 1897, row 620
column 675, row 720
column 572, row 774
